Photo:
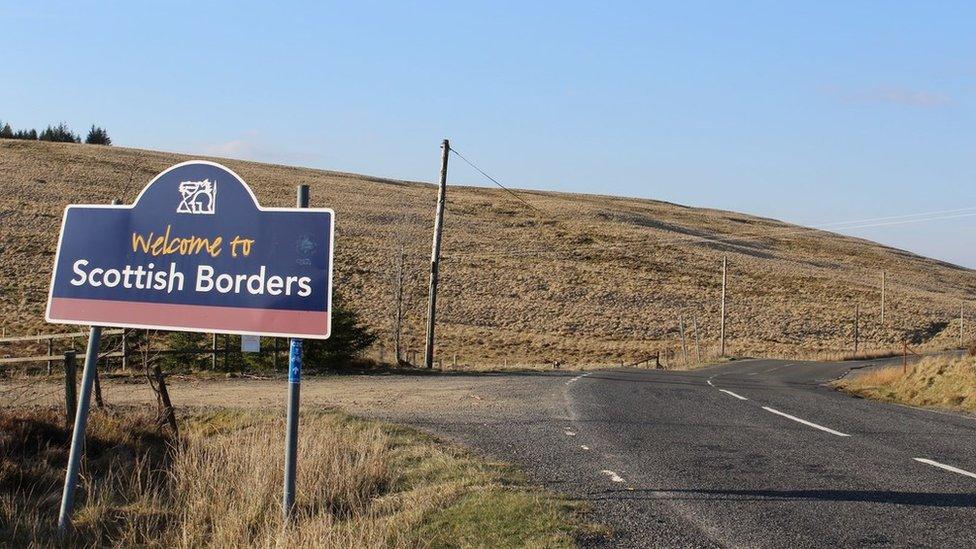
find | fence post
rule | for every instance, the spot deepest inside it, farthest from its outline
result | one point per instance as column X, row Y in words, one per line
column 98, row 391
column 904, row 357
column 684, row 348
column 697, row 341
column 70, row 387
column 274, row 359
column 125, row 350
column 50, row 353
column 169, row 414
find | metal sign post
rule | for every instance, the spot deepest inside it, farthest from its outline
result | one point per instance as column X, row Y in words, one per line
column 78, row 435
column 291, row 432
column 294, row 394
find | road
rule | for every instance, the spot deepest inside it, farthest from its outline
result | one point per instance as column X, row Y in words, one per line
column 755, row 453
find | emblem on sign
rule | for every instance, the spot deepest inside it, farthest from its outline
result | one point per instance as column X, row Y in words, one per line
column 198, row 197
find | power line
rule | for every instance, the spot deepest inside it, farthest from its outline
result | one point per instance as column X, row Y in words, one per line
column 727, row 238
column 495, row 181
column 903, row 216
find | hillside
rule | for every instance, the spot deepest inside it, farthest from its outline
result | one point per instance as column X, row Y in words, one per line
column 585, row 279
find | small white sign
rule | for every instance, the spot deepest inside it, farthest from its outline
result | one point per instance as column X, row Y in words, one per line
column 250, row 343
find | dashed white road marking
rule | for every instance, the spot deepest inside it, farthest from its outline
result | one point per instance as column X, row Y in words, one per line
column 710, row 382
column 577, row 378
column 805, row 422
column 728, row 392
column 614, row 477
column 585, row 447
column 570, row 433
column 780, row 367
column 934, row 463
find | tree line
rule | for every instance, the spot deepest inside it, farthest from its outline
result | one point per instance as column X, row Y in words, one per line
column 60, row 133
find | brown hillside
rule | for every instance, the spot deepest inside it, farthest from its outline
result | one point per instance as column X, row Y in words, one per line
column 586, row 279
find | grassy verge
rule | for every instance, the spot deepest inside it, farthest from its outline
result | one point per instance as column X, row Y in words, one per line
column 360, row 484
column 940, row 382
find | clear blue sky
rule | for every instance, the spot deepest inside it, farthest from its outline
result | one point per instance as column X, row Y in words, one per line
column 828, row 112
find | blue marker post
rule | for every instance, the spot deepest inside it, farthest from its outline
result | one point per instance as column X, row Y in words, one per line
column 294, row 391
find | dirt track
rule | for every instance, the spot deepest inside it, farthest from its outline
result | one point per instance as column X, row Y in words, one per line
column 388, row 396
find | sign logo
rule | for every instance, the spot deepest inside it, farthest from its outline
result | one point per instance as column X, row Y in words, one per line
column 243, row 269
column 198, row 197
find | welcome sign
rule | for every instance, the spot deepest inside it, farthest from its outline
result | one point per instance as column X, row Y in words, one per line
column 195, row 253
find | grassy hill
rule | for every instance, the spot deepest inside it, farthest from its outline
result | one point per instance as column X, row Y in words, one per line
column 582, row 279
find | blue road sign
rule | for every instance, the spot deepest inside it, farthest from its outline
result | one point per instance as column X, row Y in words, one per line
column 195, row 252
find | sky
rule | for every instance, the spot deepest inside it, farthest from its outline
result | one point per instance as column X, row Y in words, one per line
column 815, row 114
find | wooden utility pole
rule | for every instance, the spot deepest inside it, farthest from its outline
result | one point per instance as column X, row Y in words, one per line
column 213, row 351
column 435, row 256
column 883, row 280
column 722, row 323
column 962, row 345
column 697, row 341
column 857, row 323
column 684, row 348
column 398, row 298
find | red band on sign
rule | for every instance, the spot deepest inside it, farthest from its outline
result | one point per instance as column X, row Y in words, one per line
column 204, row 318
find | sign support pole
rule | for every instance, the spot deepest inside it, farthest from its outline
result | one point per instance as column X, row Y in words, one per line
column 294, row 392
column 81, row 424
column 435, row 257
column 78, row 435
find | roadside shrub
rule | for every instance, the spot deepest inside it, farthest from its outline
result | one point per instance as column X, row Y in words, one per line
column 349, row 338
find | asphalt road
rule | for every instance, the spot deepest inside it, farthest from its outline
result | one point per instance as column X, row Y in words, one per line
column 755, row 453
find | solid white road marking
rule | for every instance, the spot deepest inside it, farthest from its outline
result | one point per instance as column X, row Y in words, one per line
column 805, row 422
column 740, row 397
column 946, row 467
column 614, row 477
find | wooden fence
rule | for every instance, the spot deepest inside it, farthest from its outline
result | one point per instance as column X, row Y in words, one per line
column 122, row 350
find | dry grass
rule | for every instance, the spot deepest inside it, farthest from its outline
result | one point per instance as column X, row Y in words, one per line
column 939, row 382
column 360, row 484
column 591, row 279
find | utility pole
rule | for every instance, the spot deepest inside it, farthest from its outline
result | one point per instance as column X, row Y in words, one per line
column 435, row 256
column 961, row 344
column 883, row 277
column 857, row 323
column 398, row 319
column 722, row 324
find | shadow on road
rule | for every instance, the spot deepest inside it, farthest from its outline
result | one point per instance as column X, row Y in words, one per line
column 924, row 499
